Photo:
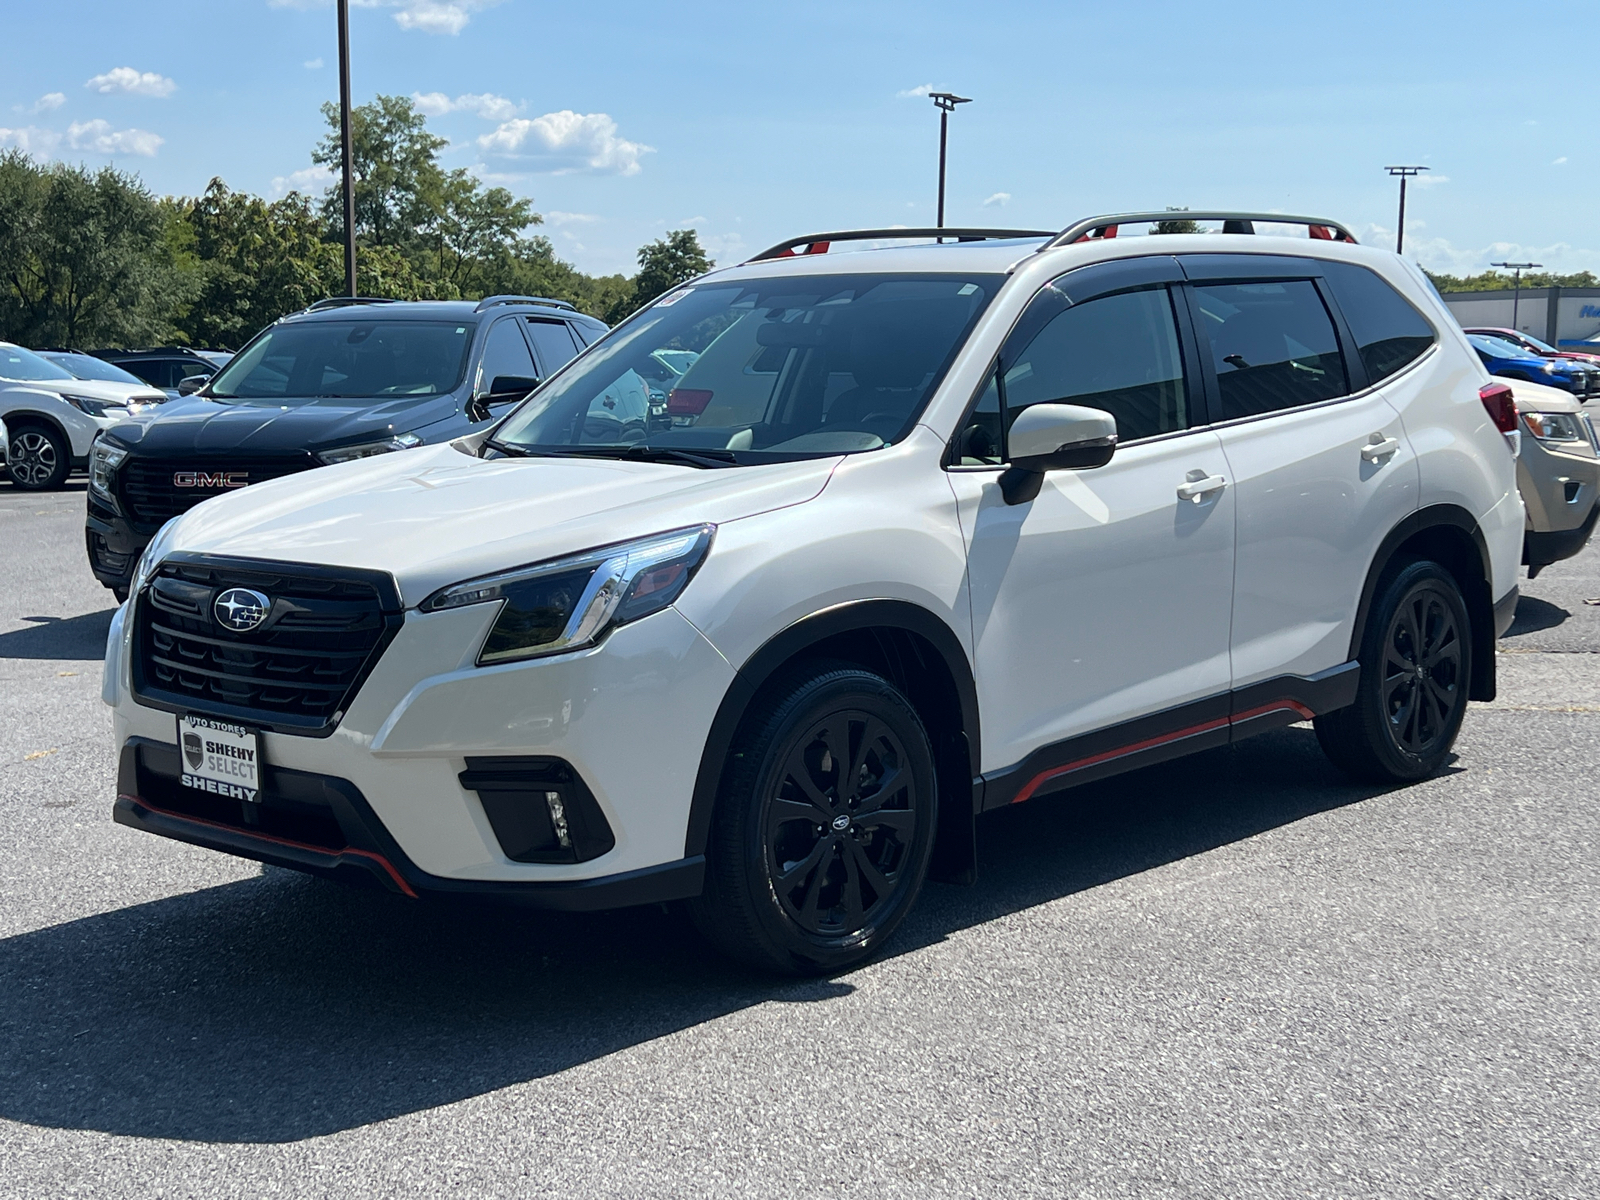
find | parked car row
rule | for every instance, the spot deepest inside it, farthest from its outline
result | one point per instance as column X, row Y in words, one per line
column 1514, row 355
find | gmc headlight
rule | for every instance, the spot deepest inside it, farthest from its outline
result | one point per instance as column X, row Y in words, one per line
column 91, row 406
column 1554, row 426
column 104, row 458
column 339, row 454
column 570, row 603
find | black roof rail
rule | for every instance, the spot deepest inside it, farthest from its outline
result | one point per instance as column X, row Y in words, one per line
column 496, row 301
column 108, row 351
column 818, row 243
column 1232, row 222
column 344, row 302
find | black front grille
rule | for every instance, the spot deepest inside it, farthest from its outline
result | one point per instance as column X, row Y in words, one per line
column 156, row 489
column 295, row 672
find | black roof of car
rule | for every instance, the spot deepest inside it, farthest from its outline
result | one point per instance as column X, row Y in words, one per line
column 153, row 352
column 372, row 308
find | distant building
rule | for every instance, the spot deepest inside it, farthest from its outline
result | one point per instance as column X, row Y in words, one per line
column 1564, row 317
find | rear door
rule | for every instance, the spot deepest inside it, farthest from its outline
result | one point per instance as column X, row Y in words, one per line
column 1319, row 460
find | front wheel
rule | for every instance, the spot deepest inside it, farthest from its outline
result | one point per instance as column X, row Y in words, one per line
column 824, row 826
column 39, row 458
column 1416, row 670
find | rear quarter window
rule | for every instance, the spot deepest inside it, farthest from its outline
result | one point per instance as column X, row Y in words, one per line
column 1390, row 334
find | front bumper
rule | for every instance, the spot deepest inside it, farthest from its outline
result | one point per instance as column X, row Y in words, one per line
column 1539, row 550
column 396, row 778
column 113, row 543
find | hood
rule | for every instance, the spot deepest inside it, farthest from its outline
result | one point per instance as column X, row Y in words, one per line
column 196, row 425
column 1537, row 397
column 95, row 389
column 437, row 515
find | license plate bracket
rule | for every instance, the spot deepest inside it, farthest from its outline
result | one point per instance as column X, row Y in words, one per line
column 220, row 757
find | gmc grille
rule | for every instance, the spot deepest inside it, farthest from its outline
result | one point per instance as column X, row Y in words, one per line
column 295, row 673
column 150, row 496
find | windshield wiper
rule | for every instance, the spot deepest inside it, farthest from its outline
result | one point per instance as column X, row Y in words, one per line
column 700, row 456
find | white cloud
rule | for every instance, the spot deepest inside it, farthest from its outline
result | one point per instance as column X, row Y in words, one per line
column 922, row 89
column 486, row 104
column 31, row 140
column 308, row 179
column 312, row 64
column 98, row 137
column 1430, row 180
column 691, row 222
column 49, row 102
column 1439, row 254
column 1560, row 161
column 426, row 16
column 131, row 82
column 724, row 247
column 570, row 218
column 564, row 142
column 998, row 200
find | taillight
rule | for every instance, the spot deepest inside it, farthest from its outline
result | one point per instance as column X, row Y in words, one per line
column 688, row 402
column 1501, row 405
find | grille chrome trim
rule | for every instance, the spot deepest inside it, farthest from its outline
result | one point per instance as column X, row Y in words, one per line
column 148, row 495
column 296, row 672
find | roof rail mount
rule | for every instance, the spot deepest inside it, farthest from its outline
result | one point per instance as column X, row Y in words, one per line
column 496, row 301
column 345, row 301
column 818, row 243
column 1094, row 228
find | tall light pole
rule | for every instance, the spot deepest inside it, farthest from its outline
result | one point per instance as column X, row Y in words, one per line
column 1404, row 173
column 946, row 103
column 344, row 150
column 1516, row 284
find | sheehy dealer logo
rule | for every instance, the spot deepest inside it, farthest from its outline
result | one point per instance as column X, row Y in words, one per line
column 241, row 609
column 211, row 479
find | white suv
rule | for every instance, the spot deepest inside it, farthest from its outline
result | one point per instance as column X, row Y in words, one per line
column 919, row 531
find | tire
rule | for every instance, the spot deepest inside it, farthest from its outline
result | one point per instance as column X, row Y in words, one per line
column 1416, row 670
column 801, row 880
column 39, row 459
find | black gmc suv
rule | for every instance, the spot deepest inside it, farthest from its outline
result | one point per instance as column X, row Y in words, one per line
column 343, row 379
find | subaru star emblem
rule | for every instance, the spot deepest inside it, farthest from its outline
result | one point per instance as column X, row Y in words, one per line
column 240, row 609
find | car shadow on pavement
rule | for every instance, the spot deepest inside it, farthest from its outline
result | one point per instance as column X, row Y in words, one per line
column 82, row 637
column 279, row 1007
column 1534, row 615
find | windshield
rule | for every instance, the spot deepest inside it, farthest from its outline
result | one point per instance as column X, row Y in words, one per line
column 86, row 366
column 759, row 371
column 1497, row 347
column 17, row 363
column 304, row 361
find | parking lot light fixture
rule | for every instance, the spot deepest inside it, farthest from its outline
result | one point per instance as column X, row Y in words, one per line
column 946, row 103
column 1404, row 174
column 347, row 177
column 1516, row 283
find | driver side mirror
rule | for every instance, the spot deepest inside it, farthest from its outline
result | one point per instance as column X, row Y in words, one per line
column 505, row 389
column 190, row 384
column 1054, row 437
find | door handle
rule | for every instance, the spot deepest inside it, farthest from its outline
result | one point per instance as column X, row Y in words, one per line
column 1379, row 447
column 1198, row 489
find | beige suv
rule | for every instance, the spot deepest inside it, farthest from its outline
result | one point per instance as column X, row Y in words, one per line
column 1558, row 474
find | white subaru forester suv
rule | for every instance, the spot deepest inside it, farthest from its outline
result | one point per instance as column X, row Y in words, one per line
column 919, row 531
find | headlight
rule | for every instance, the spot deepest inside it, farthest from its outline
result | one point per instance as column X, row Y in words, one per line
column 95, row 408
column 339, row 454
column 104, row 458
column 154, row 551
column 570, row 603
column 1554, row 426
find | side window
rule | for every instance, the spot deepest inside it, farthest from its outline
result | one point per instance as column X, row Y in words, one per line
column 1273, row 346
column 1118, row 353
column 979, row 445
column 552, row 341
column 1389, row 332
column 505, row 353
column 153, row 371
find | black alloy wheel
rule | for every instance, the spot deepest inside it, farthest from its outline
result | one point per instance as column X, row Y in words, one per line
column 39, row 459
column 1416, row 671
column 824, row 823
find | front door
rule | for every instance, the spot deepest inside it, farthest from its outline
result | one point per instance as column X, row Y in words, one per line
column 1107, row 597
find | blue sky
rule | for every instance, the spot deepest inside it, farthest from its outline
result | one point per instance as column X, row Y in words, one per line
column 753, row 122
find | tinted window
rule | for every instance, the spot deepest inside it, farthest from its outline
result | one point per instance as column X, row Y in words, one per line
column 303, row 361
column 505, row 353
column 553, row 342
column 17, row 363
column 1272, row 345
column 154, row 371
column 1117, row 353
column 1389, row 333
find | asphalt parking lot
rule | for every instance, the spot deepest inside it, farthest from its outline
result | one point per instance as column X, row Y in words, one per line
column 1234, row 976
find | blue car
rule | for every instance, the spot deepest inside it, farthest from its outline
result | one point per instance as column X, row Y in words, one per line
column 1513, row 362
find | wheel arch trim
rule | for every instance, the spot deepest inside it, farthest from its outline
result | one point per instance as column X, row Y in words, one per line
column 794, row 640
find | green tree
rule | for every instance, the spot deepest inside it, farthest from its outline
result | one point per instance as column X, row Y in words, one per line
column 1176, row 224
column 1492, row 281
column 395, row 164
column 86, row 258
column 663, row 265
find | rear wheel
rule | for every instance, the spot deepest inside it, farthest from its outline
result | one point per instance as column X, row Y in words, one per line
column 1416, row 668
column 823, row 830
column 39, row 458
